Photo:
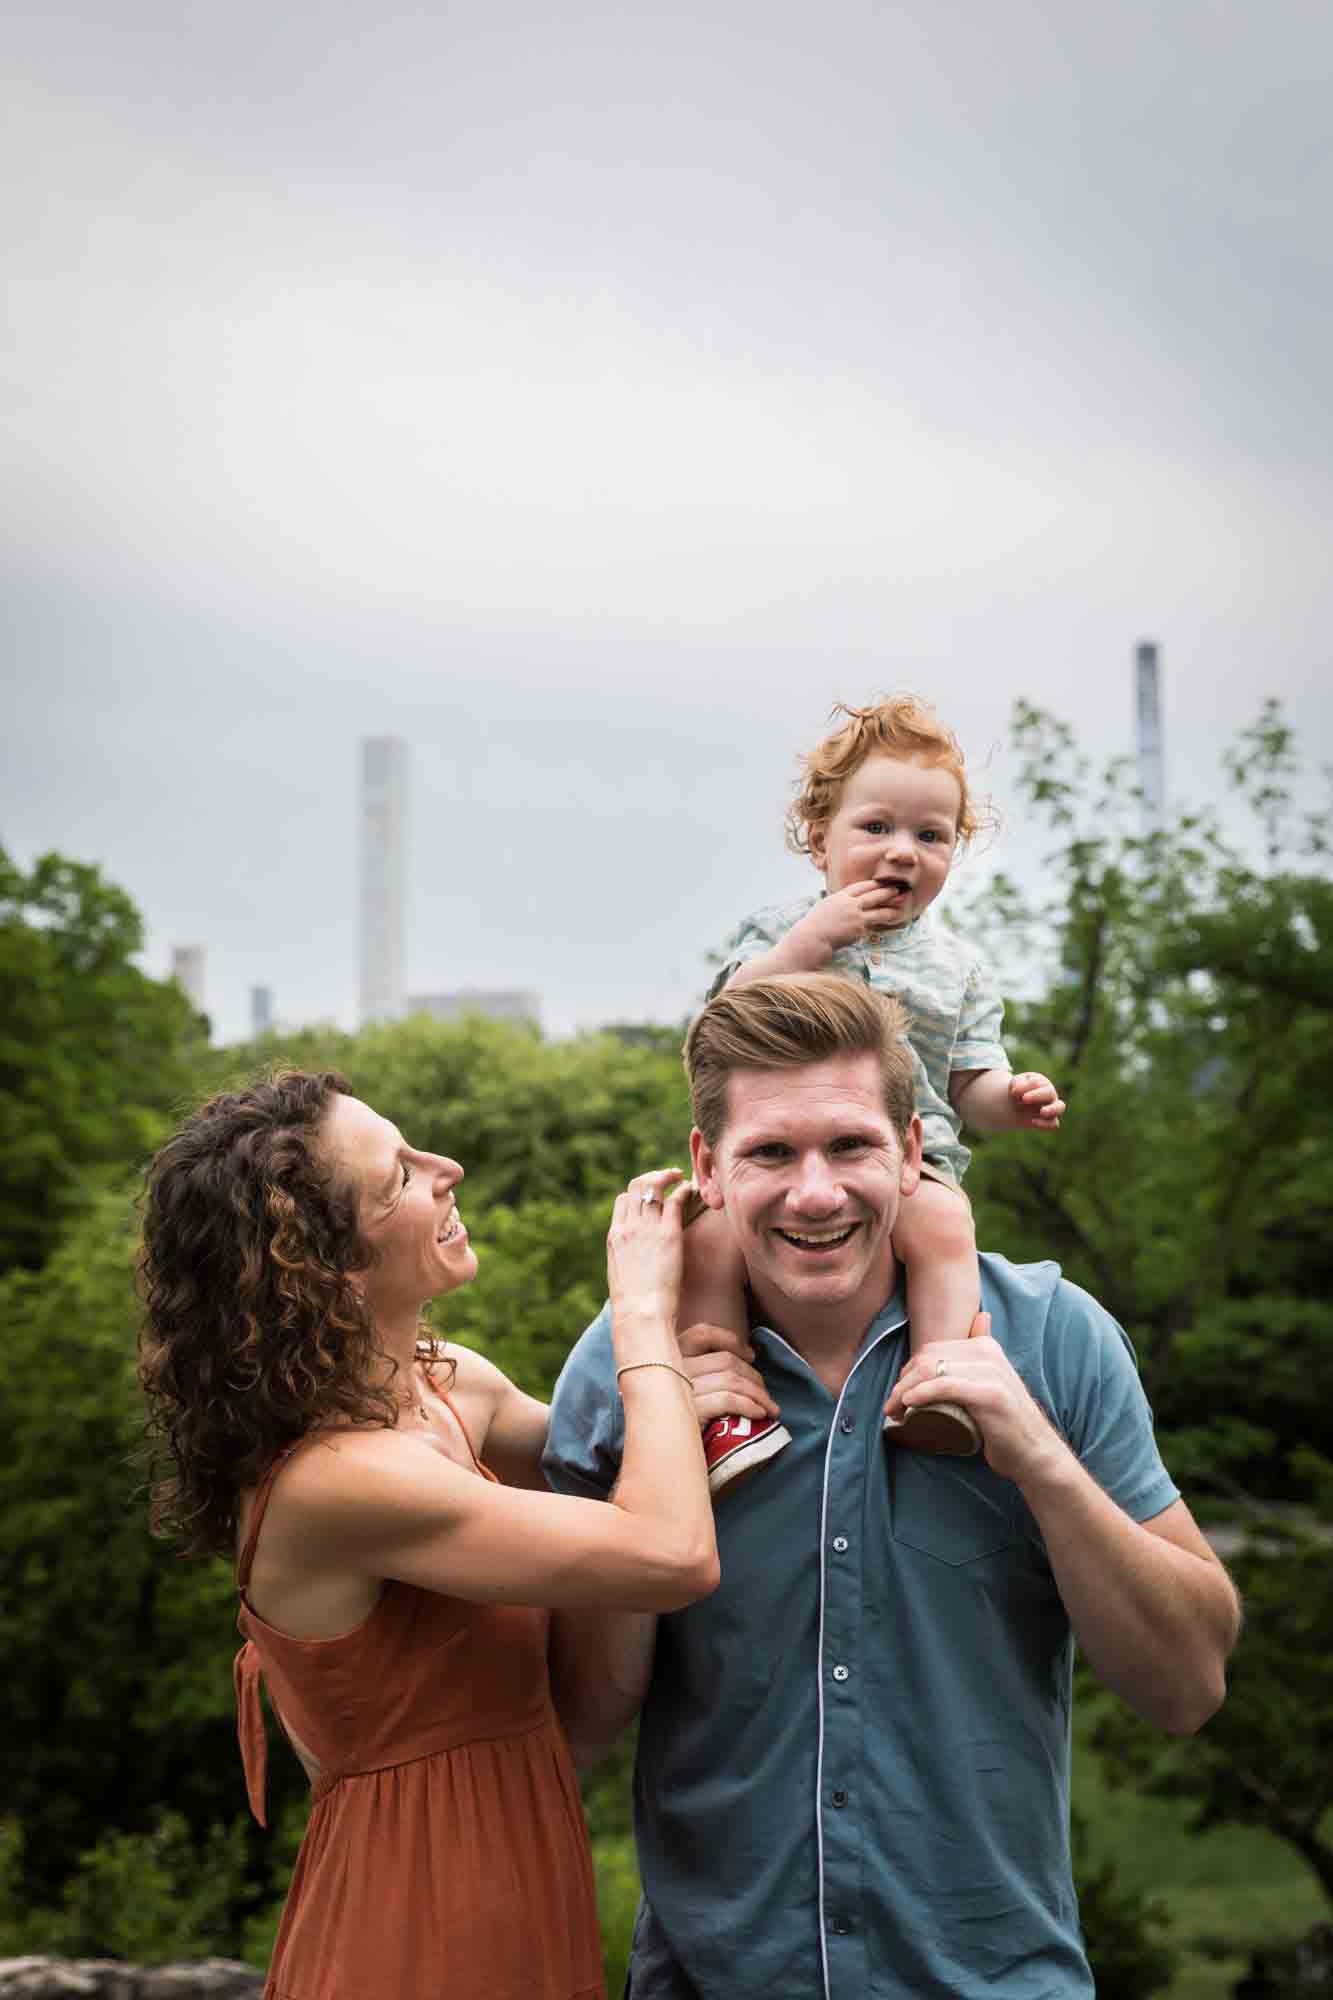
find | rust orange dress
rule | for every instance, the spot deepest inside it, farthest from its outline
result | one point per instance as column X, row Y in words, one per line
column 446, row 1856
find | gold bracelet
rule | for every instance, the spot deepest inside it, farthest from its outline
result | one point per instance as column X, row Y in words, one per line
column 630, row 1366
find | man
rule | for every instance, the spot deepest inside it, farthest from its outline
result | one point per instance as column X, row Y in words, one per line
column 853, row 1768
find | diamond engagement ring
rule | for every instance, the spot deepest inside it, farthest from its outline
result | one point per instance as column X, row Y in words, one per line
column 649, row 1197
column 941, row 1367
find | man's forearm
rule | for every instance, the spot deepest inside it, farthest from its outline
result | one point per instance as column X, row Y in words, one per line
column 1154, row 1613
column 601, row 1663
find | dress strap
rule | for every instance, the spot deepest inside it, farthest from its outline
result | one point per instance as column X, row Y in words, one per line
column 263, row 1494
column 447, row 1400
column 250, row 1731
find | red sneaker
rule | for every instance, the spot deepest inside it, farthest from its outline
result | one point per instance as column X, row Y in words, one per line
column 735, row 1446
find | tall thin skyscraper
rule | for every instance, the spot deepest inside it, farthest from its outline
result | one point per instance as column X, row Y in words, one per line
column 383, row 840
column 1148, row 711
column 187, row 969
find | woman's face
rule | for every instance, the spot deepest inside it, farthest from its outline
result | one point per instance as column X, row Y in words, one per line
column 407, row 1209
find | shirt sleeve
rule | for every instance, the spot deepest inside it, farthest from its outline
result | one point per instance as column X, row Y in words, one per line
column 585, row 1437
column 1105, row 1415
column 977, row 1044
column 750, row 939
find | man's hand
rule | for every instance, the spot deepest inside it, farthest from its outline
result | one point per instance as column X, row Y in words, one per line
column 1020, row 1441
column 718, row 1361
column 1037, row 1103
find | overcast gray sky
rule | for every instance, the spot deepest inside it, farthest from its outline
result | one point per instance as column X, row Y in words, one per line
column 592, row 398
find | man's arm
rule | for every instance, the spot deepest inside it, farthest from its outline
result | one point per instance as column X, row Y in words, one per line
column 1154, row 1612
column 601, row 1664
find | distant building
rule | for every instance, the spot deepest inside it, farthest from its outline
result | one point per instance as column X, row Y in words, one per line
column 383, row 841
column 524, row 1007
column 187, row 969
column 1149, row 753
column 261, row 1010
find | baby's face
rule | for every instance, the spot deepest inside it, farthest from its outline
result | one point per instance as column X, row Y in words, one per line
column 897, row 825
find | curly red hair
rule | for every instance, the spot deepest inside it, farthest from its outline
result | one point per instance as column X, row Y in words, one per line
column 253, row 1333
column 901, row 726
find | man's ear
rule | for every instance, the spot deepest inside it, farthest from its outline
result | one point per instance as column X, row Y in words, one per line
column 910, row 1174
column 704, row 1162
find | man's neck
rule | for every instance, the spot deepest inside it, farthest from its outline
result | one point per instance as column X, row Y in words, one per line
column 827, row 1339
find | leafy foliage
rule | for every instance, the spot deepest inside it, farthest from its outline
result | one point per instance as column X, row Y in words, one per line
column 1176, row 985
column 93, row 1053
column 1187, row 1013
column 1124, row 1931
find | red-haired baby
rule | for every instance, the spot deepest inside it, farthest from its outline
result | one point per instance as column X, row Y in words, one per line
column 882, row 810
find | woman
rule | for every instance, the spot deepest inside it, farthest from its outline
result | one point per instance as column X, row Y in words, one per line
column 375, row 1492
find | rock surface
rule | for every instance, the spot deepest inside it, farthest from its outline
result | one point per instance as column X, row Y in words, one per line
column 111, row 1979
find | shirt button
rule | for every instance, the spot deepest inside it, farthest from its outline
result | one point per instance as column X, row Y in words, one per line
column 840, row 1797
column 840, row 1927
column 841, row 1673
column 847, row 1426
column 840, row 1545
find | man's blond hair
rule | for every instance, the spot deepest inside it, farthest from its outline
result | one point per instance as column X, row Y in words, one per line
column 789, row 1022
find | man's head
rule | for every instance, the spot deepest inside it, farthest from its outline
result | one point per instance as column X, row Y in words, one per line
column 806, row 1135
column 791, row 1022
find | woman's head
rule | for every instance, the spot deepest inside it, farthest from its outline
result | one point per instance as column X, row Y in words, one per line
column 263, row 1260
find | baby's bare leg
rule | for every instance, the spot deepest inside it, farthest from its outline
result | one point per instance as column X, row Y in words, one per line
column 712, row 1288
column 935, row 1241
column 713, row 1293
column 934, row 1238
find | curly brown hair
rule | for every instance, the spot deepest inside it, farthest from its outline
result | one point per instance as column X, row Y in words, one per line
column 253, row 1332
column 902, row 725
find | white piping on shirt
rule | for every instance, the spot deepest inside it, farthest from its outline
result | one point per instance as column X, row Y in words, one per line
column 819, row 1659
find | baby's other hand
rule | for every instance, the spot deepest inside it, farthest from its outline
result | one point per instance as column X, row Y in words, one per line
column 719, row 1362
column 1039, row 1104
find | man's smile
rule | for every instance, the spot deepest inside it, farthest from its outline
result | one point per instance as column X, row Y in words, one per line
column 812, row 1242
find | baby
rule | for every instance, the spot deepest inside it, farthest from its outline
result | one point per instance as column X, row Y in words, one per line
column 882, row 810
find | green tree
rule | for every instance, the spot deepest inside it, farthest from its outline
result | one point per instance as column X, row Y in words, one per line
column 1185, row 1011
column 93, row 1053
column 116, row 1654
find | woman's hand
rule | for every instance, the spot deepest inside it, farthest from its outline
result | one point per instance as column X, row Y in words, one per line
column 643, row 1250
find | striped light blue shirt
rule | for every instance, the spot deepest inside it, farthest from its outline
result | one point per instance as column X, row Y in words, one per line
column 955, row 1011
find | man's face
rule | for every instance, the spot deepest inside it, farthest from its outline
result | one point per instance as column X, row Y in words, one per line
column 810, row 1171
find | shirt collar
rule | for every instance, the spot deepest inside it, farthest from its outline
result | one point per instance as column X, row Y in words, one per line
column 891, row 1318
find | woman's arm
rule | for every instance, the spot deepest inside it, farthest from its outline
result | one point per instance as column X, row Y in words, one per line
column 414, row 1516
column 386, row 1510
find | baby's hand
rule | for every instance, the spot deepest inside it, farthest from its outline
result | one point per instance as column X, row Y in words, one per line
column 1037, row 1101
column 845, row 917
column 720, row 1364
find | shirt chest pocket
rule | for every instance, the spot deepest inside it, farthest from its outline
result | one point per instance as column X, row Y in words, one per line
column 955, row 1510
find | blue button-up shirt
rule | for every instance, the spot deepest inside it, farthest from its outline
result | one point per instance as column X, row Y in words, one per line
column 853, row 1771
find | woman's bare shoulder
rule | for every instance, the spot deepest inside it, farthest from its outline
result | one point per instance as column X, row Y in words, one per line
column 473, row 1373
column 351, row 1470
